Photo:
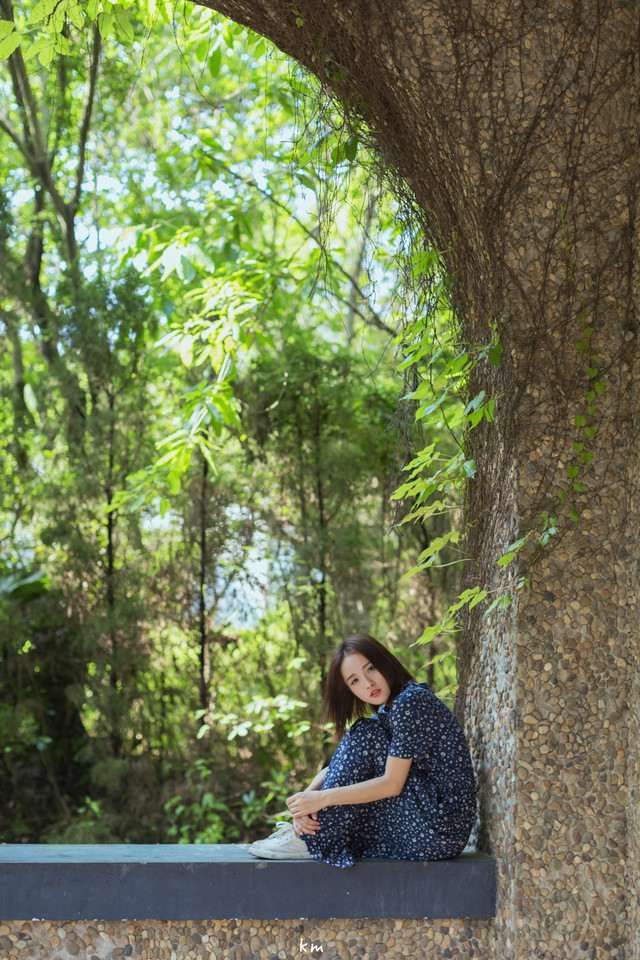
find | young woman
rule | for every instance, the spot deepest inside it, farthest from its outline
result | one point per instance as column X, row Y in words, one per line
column 400, row 785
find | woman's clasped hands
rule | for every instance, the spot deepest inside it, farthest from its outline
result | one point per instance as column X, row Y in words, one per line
column 304, row 808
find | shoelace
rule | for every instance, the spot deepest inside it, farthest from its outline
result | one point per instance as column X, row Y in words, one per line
column 277, row 832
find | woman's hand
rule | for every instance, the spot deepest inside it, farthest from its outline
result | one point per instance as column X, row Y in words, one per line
column 308, row 825
column 306, row 803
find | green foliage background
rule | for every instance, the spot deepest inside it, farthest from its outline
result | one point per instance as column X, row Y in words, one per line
column 215, row 366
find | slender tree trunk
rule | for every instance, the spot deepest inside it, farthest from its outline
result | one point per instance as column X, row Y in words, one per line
column 203, row 644
column 21, row 416
column 322, row 527
column 114, row 651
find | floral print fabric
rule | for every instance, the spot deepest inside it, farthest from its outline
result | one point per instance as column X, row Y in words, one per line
column 432, row 817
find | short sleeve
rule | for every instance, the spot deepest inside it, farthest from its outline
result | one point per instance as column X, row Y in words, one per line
column 416, row 723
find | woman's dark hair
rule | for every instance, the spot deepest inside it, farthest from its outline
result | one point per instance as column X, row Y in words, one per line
column 340, row 705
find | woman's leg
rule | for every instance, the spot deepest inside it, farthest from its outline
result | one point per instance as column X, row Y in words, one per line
column 394, row 828
column 361, row 755
column 399, row 829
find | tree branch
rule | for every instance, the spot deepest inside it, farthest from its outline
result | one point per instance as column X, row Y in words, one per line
column 14, row 136
column 86, row 118
column 37, row 158
column 23, row 92
column 372, row 317
column 59, row 111
column 353, row 305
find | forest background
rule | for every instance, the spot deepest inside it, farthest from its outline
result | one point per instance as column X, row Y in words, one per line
column 215, row 380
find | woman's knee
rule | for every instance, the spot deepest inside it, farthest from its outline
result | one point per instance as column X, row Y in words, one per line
column 368, row 731
column 368, row 739
column 361, row 754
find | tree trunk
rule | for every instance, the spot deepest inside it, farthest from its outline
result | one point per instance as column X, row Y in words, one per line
column 203, row 637
column 111, row 600
column 322, row 532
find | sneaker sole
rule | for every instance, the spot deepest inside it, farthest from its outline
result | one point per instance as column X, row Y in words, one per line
column 268, row 855
column 257, row 849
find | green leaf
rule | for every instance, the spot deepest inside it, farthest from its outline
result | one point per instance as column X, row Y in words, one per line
column 62, row 45
column 421, row 263
column 8, row 45
column 6, row 27
column 502, row 603
column 448, row 655
column 494, row 354
column 40, row 12
column 123, row 23
column 106, row 25
column 45, row 56
column 472, row 596
column 600, row 387
column 573, row 513
column 36, row 47
column 58, row 16
column 489, row 410
column 492, row 606
column 580, row 420
column 476, row 402
column 573, row 471
column 214, row 62
column 74, row 12
column 455, row 366
column 480, row 596
column 430, row 634
column 512, row 550
column 175, row 480
column 429, row 556
column 587, row 456
column 351, row 148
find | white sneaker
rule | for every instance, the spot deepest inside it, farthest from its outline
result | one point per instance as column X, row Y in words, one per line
column 280, row 825
column 283, row 844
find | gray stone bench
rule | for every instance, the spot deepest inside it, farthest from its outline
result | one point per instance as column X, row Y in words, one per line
column 190, row 882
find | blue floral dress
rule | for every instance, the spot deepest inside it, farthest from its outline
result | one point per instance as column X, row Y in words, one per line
column 432, row 817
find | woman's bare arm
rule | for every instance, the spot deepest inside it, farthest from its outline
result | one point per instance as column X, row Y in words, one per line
column 308, row 823
column 390, row 784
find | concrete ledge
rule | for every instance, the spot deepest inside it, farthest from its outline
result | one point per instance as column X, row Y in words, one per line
column 182, row 882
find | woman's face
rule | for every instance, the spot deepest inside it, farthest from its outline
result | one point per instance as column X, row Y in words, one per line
column 365, row 682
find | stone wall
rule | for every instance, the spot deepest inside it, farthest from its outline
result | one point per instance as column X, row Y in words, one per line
column 245, row 940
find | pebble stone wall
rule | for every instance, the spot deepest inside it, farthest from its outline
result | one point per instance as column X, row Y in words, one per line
column 245, row 940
